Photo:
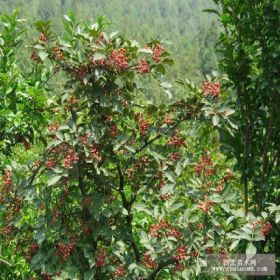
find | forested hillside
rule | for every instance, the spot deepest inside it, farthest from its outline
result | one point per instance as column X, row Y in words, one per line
column 182, row 22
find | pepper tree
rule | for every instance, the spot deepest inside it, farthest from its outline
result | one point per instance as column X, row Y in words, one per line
column 124, row 189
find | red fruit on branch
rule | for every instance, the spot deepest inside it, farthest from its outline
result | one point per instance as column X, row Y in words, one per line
column 148, row 262
column 65, row 250
column 43, row 37
column 178, row 266
column 176, row 140
column 119, row 272
column 118, row 59
column 157, row 51
column 168, row 120
column 181, row 253
column 71, row 158
column 143, row 67
column 210, row 88
column 206, row 205
column 266, row 229
column 154, row 230
column 100, row 259
column 7, row 179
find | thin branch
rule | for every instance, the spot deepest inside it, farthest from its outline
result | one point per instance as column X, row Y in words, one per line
column 129, row 217
column 160, row 266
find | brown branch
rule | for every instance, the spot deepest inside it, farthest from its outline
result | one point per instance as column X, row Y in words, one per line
column 265, row 164
column 160, row 266
column 127, row 205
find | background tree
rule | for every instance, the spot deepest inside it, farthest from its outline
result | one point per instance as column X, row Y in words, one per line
column 250, row 57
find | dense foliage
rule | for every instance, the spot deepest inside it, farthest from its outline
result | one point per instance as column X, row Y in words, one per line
column 250, row 57
column 99, row 183
column 192, row 35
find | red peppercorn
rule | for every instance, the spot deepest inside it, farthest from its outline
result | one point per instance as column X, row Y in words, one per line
column 143, row 67
column 210, row 88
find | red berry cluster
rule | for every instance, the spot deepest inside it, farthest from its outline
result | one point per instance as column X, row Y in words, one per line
column 161, row 183
column 53, row 127
column 194, row 254
column 73, row 100
column 205, row 165
column 46, row 276
column 7, row 179
column 164, row 196
column 36, row 163
column 118, row 59
column 95, row 153
column 209, row 251
column 206, row 205
column 98, row 63
column 139, row 167
column 7, row 230
column 86, row 230
column 100, row 259
column 101, row 39
column 84, row 139
column 157, row 51
column 31, row 251
column 176, row 140
column 43, row 37
column 50, row 163
column 229, row 175
column 113, row 131
column 181, row 253
column 143, row 124
column 175, row 233
column 148, row 262
column 174, row 157
column 220, row 187
column 163, row 228
column 119, row 272
column 143, row 67
column 266, row 229
column 71, row 158
column 168, row 119
column 210, row 88
column 201, row 226
column 65, row 250
column 154, row 230
column 56, row 216
column 58, row 53
column 223, row 255
column 178, row 266
column 35, row 57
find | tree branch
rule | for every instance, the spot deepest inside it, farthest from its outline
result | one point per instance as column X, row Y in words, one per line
column 160, row 266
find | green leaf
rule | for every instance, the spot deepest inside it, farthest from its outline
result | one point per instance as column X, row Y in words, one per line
column 251, row 249
column 234, row 244
column 37, row 258
column 170, row 176
column 89, row 275
column 176, row 206
column 277, row 217
column 40, row 235
column 140, row 206
column 98, row 56
column 131, row 149
column 213, row 11
column 43, row 55
column 215, row 120
column 231, row 218
column 53, row 180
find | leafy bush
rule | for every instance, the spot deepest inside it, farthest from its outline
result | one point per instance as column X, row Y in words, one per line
column 124, row 189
